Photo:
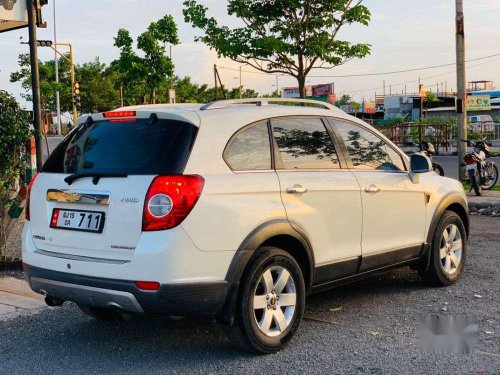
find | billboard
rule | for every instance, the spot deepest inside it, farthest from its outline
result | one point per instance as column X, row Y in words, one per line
column 369, row 107
column 347, row 108
column 293, row 92
column 315, row 91
column 478, row 103
column 13, row 15
column 322, row 90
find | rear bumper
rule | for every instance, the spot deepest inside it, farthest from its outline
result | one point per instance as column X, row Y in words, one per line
column 200, row 299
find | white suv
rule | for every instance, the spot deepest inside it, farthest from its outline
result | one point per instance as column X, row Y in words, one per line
column 235, row 210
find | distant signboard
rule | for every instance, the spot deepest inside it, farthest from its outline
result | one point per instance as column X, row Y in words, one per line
column 369, row 107
column 478, row 103
column 422, row 92
column 322, row 90
column 332, row 98
column 13, row 15
column 315, row 91
column 293, row 92
column 347, row 108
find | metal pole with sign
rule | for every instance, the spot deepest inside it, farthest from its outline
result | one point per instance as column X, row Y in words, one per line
column 35, row 82
column 461, row 93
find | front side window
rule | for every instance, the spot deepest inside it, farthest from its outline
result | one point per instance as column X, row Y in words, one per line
column 368, row 151
column 249, row 149
column 304, row 143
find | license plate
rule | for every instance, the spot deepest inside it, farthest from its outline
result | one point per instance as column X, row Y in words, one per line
column 85, row 221
column 469, row 167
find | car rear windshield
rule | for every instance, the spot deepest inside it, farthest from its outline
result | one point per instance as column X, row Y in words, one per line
column 131, row 147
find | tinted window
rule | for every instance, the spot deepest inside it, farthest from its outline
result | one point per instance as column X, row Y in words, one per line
column 304, row 144
column 249, row 149
column 367, row 150
column 131, row 147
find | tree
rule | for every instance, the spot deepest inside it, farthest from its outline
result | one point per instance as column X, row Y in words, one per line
column 48, row 85
column 14, row 134
column 152, row 70
column 97, row 90
column 283, row 36
column 344, row 100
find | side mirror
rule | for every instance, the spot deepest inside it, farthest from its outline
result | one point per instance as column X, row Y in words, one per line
column 419, row 164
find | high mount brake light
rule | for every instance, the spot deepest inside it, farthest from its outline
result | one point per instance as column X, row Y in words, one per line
column 169, row 201
column 118, row 114
column 30, row 186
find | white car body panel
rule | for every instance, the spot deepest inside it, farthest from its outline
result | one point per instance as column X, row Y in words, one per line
column 394, row 217
column 340, row 219
column 329, row 212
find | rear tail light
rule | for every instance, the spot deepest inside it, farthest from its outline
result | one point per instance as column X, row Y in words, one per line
column 169, row 201
column 147, row 285
column 30, row 186
column 469, row 159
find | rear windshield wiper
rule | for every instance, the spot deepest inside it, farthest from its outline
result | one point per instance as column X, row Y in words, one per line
column 95, row 177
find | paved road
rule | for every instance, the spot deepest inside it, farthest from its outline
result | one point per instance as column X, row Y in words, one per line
column 52, row 143
column 450, row 164
column 374, row 333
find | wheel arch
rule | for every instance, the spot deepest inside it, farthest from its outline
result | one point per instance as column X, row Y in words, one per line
column 451, row 202
column 277, row 233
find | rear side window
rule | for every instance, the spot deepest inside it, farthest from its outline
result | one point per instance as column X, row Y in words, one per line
column 132, row 147
column 249, row 149
column 304, row 143
column 368, row 151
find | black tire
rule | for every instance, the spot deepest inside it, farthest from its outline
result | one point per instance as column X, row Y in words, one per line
column 495, row 179
column 105, row 315
column 245, row 332
column 438, row 169
column 435, row 275
column 474, row 180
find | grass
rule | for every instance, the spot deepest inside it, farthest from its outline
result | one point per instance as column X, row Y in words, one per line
column 467, row 186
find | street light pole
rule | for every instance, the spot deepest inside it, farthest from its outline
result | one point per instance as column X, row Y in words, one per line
column 461, row 92
column 241, row 94
column 56, row 62
column 35, row 82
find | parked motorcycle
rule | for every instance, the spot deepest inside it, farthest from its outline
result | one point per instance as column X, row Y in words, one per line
column 480, row 171
column 427, row 149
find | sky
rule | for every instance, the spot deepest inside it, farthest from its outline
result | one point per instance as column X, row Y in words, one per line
column 403, row 34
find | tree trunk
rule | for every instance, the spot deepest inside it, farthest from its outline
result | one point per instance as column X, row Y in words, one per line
column 302, row 86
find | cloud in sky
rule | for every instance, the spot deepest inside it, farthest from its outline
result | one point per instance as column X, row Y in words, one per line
column 403, row 34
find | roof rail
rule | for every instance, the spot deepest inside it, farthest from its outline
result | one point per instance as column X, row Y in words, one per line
column 219, row 104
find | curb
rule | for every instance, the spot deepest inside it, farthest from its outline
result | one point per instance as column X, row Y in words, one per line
column 483, row 208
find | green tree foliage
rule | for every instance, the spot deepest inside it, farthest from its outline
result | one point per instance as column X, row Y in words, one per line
column 344, row 100
column 14, row 135
column 48, row 85
column 97, row 87
column 141, row 76
column 283, row 36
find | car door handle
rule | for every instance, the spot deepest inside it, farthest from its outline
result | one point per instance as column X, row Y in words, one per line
column 372, row 188
column 296, row 189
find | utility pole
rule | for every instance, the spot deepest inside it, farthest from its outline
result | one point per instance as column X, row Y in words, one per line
column 35, row 82
column 461, row 92
column 56, row 62
column 241, row 88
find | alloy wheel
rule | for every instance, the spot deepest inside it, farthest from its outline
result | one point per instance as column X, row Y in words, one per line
column 274, row 301
column 450, row 251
